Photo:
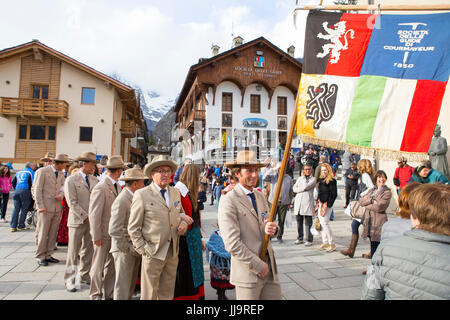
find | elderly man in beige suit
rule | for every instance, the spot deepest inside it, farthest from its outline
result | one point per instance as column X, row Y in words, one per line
column 242, row 214
column 77, row 191
column 102, row 197
column 126, row 259
column 48, row 192
column 154, row 227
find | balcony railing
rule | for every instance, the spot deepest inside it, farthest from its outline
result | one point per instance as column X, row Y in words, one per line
column 34, row 107
column 128, row 128
column 192, row 116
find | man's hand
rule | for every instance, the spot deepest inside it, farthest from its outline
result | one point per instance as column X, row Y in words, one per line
column 264, row 271
column 59, row 197
column 43, row 210
column 98, row 243
column 271, row 228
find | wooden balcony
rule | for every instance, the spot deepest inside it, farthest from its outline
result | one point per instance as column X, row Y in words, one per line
column 128, row 128
column 34, row 108
column 195, row 115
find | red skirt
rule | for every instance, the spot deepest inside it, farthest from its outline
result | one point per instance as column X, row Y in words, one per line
column 63, row 233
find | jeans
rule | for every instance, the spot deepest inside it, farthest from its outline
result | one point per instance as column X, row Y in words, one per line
column 4, row 202
column 355, row 226
column 373, row 247
column 350, row 193
column 22, row 199
column 327, row 234
column 308, row 223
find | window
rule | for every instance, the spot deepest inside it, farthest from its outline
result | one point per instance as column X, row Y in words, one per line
column 40, row 92
column 37, row 132
column 282, row 106
column 255, row 103
column 227, row 119
column 227, row 101
column 282, row 123
column 88, row 96
column 51, row 132
column 23, row 132
column 86, row 134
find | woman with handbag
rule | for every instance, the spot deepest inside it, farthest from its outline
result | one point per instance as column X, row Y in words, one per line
column 375, row 201
column 327, row 194
column 366, row 172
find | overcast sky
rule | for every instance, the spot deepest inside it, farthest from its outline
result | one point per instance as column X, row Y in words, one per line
column 151, row 43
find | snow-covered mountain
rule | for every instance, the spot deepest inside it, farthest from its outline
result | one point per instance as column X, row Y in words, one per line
column 154, row 107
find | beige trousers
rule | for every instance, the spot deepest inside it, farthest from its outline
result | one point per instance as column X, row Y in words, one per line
column 127, row 268
column 80, row 244
column 158, row 277
column 264, row 289
column 102, row 272
column 47, row 232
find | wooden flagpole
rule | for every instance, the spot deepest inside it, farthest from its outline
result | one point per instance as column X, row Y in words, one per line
column 276, row 195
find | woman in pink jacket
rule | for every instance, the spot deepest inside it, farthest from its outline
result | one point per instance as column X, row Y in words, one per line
column 5, row 187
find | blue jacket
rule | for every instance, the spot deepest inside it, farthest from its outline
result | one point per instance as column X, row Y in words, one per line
column 23, row 179
column 433, row 176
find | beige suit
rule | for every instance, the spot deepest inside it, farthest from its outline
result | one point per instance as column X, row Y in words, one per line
column 102, row 269
column 153, row 229
column 243, row 232
column 126, row 259
column 45, row 189
column 78, row 193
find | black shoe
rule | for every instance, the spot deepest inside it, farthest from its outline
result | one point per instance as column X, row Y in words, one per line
column 43, row 262
column 51, row 259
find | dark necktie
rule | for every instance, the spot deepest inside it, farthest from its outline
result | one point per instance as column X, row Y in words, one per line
column 56, row 174
column 117, row 190
column 163, row 191
column 87, row 181
column 252, row 196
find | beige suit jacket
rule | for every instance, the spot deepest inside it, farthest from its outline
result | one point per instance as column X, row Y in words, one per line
column 102, row 198
column 118, row 225
column 153, row 224
column 77, row 195
column 243, row 233
column 46, row 187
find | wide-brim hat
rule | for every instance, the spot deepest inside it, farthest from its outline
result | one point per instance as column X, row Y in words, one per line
column 159, row 161
column 245, row 158
column 49, row 156
column 115, row 162
column 133, row 174
column 62, row 157
column 88, row 157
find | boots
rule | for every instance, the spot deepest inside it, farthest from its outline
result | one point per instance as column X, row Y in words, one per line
column 221, row 294
column 351, row 249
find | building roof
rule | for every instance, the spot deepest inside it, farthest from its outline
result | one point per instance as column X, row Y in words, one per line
column 203, row 62
column 126, row 93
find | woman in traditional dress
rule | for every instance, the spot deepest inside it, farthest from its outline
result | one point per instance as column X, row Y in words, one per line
column 190, row 275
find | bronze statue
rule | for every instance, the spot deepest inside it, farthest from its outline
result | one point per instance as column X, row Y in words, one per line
column 438, row 152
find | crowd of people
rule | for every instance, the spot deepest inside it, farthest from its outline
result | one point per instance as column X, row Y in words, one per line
column 127, row 227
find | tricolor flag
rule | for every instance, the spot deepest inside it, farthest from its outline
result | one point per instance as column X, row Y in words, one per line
column 373, row 82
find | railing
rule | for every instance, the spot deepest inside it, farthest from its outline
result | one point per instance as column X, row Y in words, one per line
column 128, row 128
column 34, row 107
column 192, row 116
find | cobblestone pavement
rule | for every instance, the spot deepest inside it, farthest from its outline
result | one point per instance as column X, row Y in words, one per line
column 305, row 273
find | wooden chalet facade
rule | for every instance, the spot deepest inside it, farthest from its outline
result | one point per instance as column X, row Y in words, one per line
column 241, row 98
column 50, row 102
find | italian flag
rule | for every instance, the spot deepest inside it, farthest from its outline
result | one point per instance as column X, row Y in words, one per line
column 373, row 82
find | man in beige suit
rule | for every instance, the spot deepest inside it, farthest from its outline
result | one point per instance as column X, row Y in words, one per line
column 154, row 227
column 126, row 259
column 77, row 191
column 242, row 214
column 48, row 192
column 102, row 197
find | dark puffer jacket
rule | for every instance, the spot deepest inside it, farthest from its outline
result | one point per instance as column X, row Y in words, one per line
column 415, row 266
